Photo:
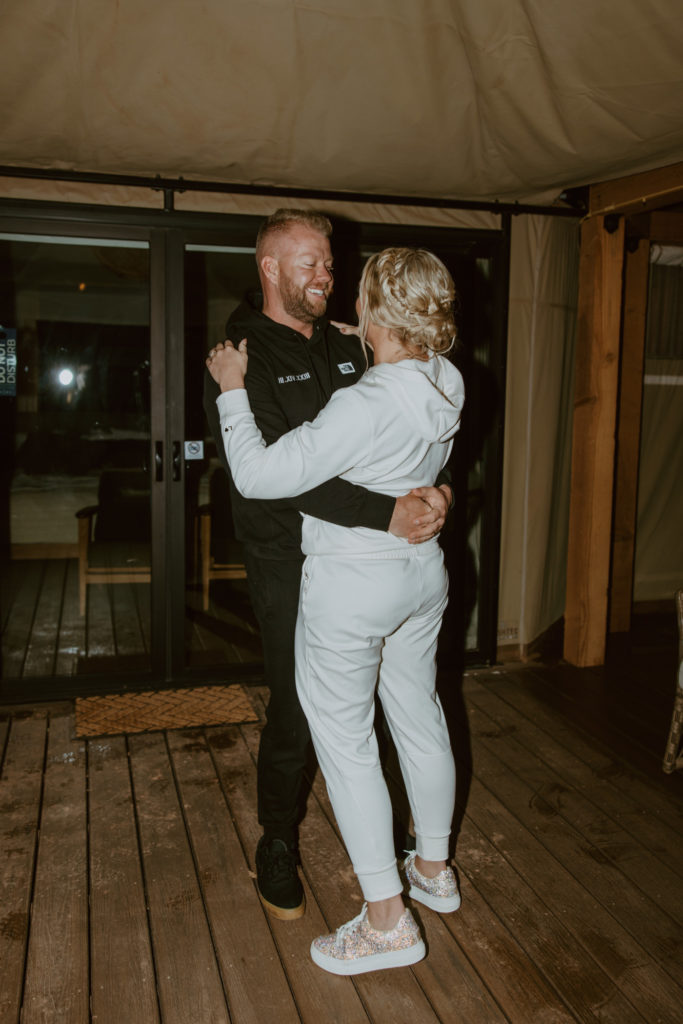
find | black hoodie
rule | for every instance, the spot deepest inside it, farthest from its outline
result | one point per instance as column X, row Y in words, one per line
column 290, row 378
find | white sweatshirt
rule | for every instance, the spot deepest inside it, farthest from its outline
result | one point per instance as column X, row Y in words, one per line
column 390, row 432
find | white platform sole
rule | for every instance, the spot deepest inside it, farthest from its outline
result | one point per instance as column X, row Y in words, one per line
column 441, row 904
column 375, row 962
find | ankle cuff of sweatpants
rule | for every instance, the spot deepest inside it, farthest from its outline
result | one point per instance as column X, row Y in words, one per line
column 380, row 885
column 287, row 835
column 431, row 848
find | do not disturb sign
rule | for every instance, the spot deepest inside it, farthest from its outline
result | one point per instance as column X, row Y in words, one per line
column 8, row 361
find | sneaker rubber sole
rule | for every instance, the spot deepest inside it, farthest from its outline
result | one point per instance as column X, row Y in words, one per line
column 373, row 962
column 283, row 913
column 442, row 904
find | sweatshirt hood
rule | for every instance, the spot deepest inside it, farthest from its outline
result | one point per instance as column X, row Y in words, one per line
column 431, row 393
column 252, row 302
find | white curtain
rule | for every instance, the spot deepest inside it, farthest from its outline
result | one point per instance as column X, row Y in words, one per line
column 538, row 426
column 659, row 537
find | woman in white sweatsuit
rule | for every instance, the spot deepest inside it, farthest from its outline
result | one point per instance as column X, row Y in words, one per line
column 371, row 604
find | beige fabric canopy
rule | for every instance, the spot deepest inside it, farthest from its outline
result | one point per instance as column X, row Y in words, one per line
column 471, row 99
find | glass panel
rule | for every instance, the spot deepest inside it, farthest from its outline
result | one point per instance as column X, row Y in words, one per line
column 76, row 594
column 475, row 299
column 221, row 631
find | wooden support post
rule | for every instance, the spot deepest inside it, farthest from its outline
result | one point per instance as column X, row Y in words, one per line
column 595, row 413
column 628, row 436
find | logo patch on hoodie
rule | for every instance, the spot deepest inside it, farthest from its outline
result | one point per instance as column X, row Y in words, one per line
column 294, row 376
column 346, row 367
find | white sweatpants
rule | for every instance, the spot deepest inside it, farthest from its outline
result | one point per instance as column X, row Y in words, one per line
column 360, row 618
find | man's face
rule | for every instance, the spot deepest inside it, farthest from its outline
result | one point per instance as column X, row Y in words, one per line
column 305, row 273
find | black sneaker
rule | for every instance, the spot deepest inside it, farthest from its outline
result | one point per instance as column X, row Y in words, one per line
column 279, row 886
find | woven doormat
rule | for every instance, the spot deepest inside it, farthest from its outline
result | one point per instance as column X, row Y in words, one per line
column 162, row 709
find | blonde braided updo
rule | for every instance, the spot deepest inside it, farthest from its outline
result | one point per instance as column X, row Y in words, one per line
column 410, row 292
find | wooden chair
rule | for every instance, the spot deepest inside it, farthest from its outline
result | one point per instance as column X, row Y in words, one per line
column 220, row 554
column 672, row 757
column 114, row 535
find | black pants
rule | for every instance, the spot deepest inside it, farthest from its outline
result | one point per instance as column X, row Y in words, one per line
column 274, row 591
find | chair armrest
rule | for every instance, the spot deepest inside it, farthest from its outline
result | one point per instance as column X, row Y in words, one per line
column 88, row 512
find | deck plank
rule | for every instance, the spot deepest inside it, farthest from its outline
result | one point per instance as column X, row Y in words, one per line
column 20, row 797
column 99, row 626
column 228, row 635
column 17, row 631
column 448, row 978
column 601, row 716
column 549, row 807
column 57, row 984
column 9, row 585
column 613, row 948
column 551, row 770
column 642, row 714
column 579, row 981
column 645, row 812
column 188, row 977
column 5, row 722
column 513, row 979
column 318, row 996
column 142, row 598
column 253, row 977
column 128, row 631
column 610, row 913
column 123, row 980
column 42, row 649
column 71, row 642
column 638, row 711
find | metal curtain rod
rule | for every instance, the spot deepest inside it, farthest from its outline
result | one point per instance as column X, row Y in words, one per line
column 171, row 185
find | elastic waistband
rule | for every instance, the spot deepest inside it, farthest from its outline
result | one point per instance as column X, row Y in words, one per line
column 410, row 551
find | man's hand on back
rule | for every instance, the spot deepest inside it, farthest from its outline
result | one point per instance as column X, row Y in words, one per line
column 420, row 515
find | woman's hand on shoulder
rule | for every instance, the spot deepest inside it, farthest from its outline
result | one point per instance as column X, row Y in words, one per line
column 346, row 328
column 228, row 365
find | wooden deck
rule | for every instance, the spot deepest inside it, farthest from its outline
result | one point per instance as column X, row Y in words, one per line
column 44, row 635
column 126, row 872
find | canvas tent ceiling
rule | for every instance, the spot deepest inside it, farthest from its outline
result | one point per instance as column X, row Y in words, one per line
column 478, row 99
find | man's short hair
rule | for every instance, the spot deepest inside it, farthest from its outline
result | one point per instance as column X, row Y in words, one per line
column 283, row 219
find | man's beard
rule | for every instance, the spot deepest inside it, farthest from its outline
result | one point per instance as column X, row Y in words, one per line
column 297, row 303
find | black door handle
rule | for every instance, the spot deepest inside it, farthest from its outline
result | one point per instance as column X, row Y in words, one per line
column 158, row 461
column 177, row 462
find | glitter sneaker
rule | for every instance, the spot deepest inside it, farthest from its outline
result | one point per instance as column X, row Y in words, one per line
column 357, row 947
column 440, row 893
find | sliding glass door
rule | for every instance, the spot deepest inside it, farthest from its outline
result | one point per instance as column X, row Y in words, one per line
column 221, row 635
column 75, row 330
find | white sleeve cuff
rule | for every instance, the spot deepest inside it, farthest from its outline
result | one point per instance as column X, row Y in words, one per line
column 230, row 403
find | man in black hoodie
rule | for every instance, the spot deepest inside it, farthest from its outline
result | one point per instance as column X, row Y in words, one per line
column 296, row 360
